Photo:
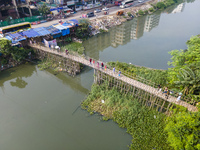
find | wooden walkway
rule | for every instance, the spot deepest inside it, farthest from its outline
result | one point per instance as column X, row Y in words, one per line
column 123, row 78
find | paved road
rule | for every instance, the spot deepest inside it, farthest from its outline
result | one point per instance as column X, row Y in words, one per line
column 112, row 10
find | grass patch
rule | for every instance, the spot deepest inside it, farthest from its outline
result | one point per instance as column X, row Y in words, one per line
column 73, row 47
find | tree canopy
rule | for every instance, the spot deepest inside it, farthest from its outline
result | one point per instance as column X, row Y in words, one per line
column 186, row 64
column 44, row 9
column 183, row 130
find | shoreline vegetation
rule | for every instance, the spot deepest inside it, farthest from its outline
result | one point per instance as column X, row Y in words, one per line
column 144, row 125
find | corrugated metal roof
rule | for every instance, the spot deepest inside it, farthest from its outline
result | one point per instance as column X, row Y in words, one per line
column 42, row 31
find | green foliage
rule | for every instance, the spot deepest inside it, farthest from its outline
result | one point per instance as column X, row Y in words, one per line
column 146, row 11
column 44, row 9
column 160, row 5
column 188, row 81
column 5, row 47
column 102, row 31
column 74, row 47
column 140, row 12
column 17, row 53
column 151, row 9
column 129, row 14
column 186, row 65
column 83, row 30
column 169, row 2
column 144, row 125
column 183, row 129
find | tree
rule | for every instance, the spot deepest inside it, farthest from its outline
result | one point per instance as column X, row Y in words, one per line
column 140, row 12
column 44, row 9
column 83, row 29
column 5, row 47
column 160, row 5
column 185, row 58
column 183, row 131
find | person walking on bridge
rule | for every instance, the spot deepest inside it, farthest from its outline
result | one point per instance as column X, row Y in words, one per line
column 102, row 65
column 119, row 73
column 90, row 61
column 114, row 70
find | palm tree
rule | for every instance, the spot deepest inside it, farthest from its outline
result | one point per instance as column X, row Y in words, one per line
column 188, row 81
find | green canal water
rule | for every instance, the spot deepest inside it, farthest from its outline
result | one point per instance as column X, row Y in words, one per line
column 40, row 110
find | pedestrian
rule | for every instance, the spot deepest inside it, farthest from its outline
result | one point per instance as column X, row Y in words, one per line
column 98, row 65
column 66, row 51
column 93, row 62
column 168, row 92
column 52, row 47
column 113, row 69
column 119, row 73
column 105, row 68
column 159, row 88
column 90, row 61
column 165, row 91
column 102, row 65
column 49, row 46
column 178, row 98
column 59, row 49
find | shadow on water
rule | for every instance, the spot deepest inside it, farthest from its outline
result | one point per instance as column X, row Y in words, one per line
column 18, row 73
column 73, row 82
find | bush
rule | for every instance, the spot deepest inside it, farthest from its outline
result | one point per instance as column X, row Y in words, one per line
column 183, row 130
column 129, row 14
column 151, row 9
column 140, row 12
column 160, row 5
column 146, row 11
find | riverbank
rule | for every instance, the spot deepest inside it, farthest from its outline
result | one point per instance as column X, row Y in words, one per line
column 102, row 24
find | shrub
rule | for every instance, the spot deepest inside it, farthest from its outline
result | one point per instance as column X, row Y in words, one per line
column 146, row 11
column 140, row 12
column 151, row 9
column 129, row 14
column 160, row 5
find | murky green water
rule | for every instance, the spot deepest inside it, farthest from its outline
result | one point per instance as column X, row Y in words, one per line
column 146, row 40
column 40, row 110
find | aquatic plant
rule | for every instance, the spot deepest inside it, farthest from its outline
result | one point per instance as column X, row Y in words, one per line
column 144, row 125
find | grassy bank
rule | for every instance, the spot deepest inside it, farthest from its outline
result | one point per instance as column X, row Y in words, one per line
column 144, row 125
column 73, row 47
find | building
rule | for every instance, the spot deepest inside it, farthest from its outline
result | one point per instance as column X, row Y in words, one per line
column 14, row 9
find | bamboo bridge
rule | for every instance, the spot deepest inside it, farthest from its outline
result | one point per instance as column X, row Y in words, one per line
column 148, row 94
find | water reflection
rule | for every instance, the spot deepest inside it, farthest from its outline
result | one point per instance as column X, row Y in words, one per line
column 121, row 35
column 74, row 83
column 18, row 74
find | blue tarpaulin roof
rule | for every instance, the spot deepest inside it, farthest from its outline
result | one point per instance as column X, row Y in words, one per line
column 15, row 37
column 30, row 33
column 42, row 31
column 74, row 20
column 68, row 25
column 53, row 30
column 64, row 29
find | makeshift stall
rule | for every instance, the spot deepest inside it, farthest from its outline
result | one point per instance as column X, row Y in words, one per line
column 63, row 29
column 54, row 31
column 15, row 37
